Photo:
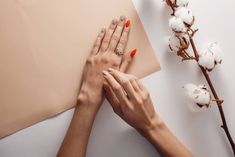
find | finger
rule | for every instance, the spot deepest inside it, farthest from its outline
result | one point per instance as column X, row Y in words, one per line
column 127, row 60
column 98, row 42
column 143, row 91
column 108, row 35
column 117, row 34
column 146, row 97
column 112, row 99
column 123, row 80
column 121, row 46
column 135, row 85
column 141, row 86
column 117, row 89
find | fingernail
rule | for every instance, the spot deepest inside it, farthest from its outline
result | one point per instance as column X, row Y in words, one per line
column 102, row 30
column 133, row 52
column 110, row 69
column 114, row 21
column 128, row 23
column 122, row 18
column 104, row 73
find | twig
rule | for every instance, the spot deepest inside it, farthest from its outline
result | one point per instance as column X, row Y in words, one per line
column 219, row 101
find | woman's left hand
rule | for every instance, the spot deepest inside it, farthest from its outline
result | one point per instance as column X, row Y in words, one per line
column 107, row 52
column 130, row 100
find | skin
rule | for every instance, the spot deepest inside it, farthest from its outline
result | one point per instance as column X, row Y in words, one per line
column 131, row 101
column 102, row 77
column 91, row 93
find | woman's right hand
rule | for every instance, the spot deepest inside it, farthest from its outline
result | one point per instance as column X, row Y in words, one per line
column 130, row 100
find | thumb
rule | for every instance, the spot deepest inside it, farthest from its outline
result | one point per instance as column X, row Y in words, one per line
column 127, row 60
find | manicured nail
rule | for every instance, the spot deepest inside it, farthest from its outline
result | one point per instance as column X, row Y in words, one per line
column 133, row 52
column 102, row 30
column 114, row 21
column 104, row 73
column 110, row 70
column 122, row 18
column 128, row 23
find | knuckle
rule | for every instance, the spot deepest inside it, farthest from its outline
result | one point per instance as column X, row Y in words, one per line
column 117, row 88
column 146, row 96
column 125, row 82
column 139, row 101
column 132, row 79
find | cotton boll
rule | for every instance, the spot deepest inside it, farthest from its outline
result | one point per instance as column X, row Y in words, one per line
column 210, row 56
column 177, row 43
column 198, row 96
column 203, row 96
column 174, row 43
column 177, row 25
column 207, row 60
column 189, row 88
column 217, row 52
column 186, row 15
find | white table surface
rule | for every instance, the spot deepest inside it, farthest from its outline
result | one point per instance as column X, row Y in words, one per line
column 200, row 132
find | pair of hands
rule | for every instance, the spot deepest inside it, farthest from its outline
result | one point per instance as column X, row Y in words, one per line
column 103, row 77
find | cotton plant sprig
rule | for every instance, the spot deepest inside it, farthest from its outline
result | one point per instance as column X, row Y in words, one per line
column 181, row 22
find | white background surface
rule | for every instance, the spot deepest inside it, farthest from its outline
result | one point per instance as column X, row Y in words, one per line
column 200, row 132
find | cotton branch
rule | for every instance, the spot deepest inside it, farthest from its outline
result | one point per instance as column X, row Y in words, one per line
column 181, row 23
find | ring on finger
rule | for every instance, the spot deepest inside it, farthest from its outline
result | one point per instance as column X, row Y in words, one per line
column 118, row 52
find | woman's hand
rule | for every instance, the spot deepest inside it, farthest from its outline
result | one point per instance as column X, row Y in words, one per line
column 107, row 52
column 130, row 100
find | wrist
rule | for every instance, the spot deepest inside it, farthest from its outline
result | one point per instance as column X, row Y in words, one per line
column 89, row 97
column 157, row 125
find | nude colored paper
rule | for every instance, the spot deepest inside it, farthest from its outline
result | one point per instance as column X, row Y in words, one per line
column 43, row 48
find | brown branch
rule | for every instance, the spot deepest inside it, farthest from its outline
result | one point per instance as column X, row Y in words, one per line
column 169, row 2
column 219, row 103
column 194, row 48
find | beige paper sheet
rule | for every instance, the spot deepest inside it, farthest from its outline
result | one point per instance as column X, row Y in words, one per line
column 43, row 48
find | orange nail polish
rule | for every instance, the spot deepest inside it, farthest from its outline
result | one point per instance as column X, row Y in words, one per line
column 133, row 52
column 128, row 23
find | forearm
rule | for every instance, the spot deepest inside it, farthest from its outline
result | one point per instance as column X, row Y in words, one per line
column 76, row 139
column 165, row 142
